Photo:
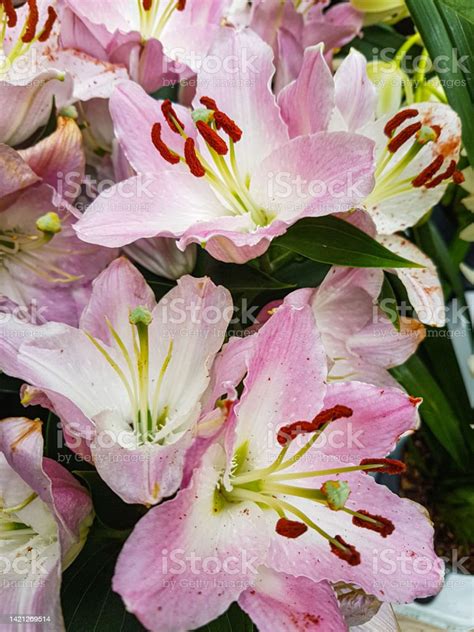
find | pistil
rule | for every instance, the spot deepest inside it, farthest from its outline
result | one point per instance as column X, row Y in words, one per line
column 269, row 487
column 222, row 172
column 389, row 180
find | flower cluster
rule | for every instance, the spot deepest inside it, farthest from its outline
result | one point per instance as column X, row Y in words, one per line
column 152, row 152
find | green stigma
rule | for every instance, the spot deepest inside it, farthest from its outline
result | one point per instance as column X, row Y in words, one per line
column 49, row 223
column 140, row 316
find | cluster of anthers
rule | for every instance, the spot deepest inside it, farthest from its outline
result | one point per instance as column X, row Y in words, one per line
column 390, row 180
column 153, row 20
column 27, row 249
column 29, row 34
column 270, row 487
column 223, row 175
column 150, row 413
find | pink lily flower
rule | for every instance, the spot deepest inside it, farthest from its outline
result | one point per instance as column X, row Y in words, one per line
column 417, row 153
column 44, row 268
column 45, row 515
column 360, row 341
column 156, row 40
column 291, row 26
column 142, row 370
column 216, row 169
column 283, row 503
column 34, row 70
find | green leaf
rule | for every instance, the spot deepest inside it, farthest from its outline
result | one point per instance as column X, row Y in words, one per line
column 447, row 29
column 87, row 598
column 336, row 242
column 436, row 410
column 111, row 511
column 376, row 39
column 388, row 302
column 245, row 278
column 234, row 620
column 9, row 385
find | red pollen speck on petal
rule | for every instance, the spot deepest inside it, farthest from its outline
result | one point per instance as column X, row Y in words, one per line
column 402, row 137
column 228, row 125
column 446, row 175
column 398, row 119
column 290, row 528
column 386, row 466
column 192, row 160
column 349, row 553
column 31, row 22
column 166, row 153
column 212, row 138
column 48, row 25
column 171, row 116
column 384, row 526
column 427, row 173
column 10, row 12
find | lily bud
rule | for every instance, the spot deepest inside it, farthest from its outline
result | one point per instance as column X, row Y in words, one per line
column 390, row 81
column 389, row 11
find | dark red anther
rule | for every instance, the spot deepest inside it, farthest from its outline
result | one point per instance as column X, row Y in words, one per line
column 402, row 137
column 146, row 4
column 349, row 553
column 384, row 526
column 427, row 173
column 212, row 138
column 458, row 177
column 10, row 12
column 181, row 5
column 286, row 434
column 398, row 119
column 228, row 125
column 48, row 25
column 290, row 528
column 446, row 175
column 171, row 117
column 192, row 160
column 166, row 153
column 31, row 22
column 386, row 466
column 209, row 103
